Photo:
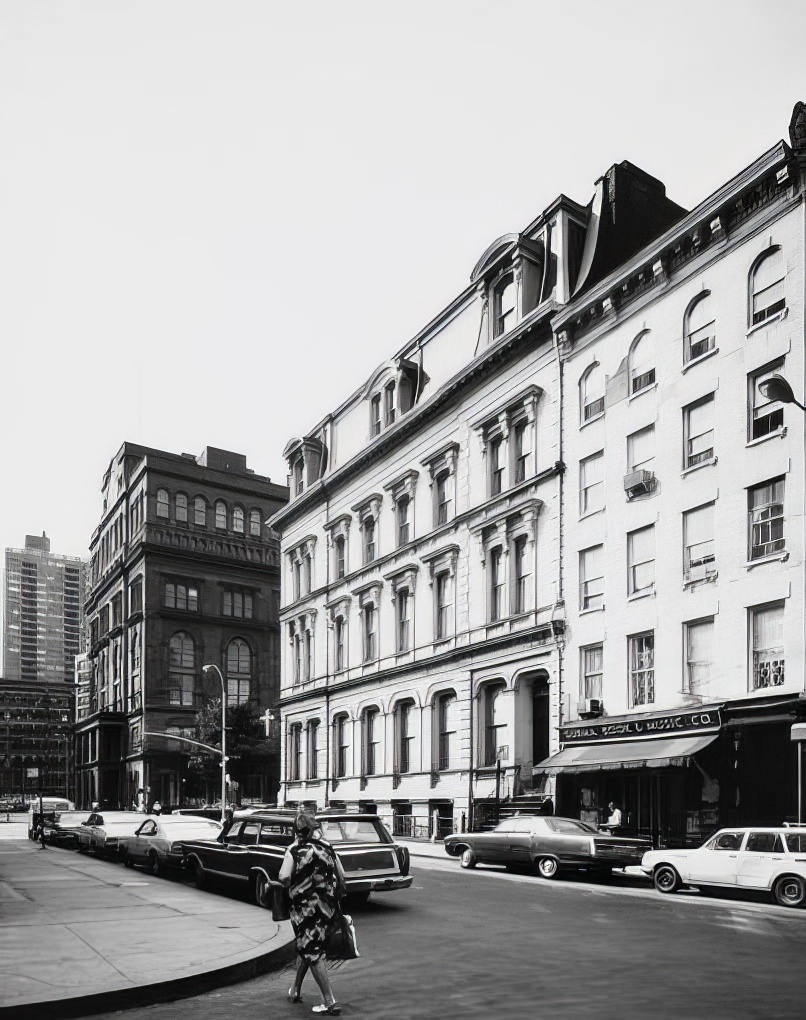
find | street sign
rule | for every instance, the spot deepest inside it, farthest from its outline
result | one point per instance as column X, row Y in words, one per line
column 503, row 752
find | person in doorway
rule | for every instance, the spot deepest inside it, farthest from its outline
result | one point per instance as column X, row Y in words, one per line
column 614, row 819
column 315, row 880
column 434, row 825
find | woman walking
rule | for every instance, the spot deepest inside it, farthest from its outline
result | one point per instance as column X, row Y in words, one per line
column 315, row 879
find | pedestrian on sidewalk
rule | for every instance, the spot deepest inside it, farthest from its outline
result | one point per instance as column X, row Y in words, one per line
column 40, row 834
column 315, row 880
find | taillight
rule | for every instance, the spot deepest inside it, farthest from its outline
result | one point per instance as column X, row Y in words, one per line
column 403, row 858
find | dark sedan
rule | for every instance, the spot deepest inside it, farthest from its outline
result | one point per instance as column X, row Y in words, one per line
column 251, row 852
column 548, row 844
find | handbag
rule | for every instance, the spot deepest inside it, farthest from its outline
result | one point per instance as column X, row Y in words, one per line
column 340, row 941
column 280, row 902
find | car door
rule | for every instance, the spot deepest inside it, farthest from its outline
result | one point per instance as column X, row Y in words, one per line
column 519, row 840
column 760, row 859
column 235, row 863
column 717, row 862
column 137, row 845
column 493, row 847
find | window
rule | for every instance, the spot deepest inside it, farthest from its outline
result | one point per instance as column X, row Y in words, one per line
column 371, row 741
column 162, row 503
column 181, row 596
column 389, row 404
column 495, row 725
column 136, row 596
column 764, row 843
column 447, row 711
column 368, row 614
column 766, row 415
column 340, row 547
column 307, row 571
column 295, row 753
column 521, row 593
column 341, row 745
column 181, row 507
column 298, row 480
column 699, row 636
column 698, row 544
column 200, row 511
column 641, row 561
column 307, row 655
column 642, row 668
column 591, row 578
column 522, row 451
column 641, row 450
column 443, row 499
column 591, row 393
column 405, row 718
column 505, row 311
column 442, row 606
column 767, row 295
column 238, row 520
column 181, row 670
column 402, row 508
column 642, row 363
column 591, row 484
column 296, row 577
column 592, row 671
column 698, row 426
column 239, row 672
column 495, row 453
column 238, row 604
column 376, row 422
column 220, row 514
column 699, row 328
column 313, row 749
column 767, row 635
column 766, row 513
column 402, row 610
column 296, row 651
column 497, row 583
column 368, row 529
column 339, row 630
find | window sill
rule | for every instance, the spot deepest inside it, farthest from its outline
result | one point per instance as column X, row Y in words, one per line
column 592, row 513
column 694, row 582
column 781, row 557
column 641, row 392
column 777, row 434
column 595, row 609
column 697, row 467
column 777, row 317
column 636, row 595
column 696, row 361
column 590, row 421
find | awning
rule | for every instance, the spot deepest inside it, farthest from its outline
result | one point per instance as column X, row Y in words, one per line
column 625, row 754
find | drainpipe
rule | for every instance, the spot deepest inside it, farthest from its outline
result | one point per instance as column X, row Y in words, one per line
column 560, row 531
column 327, row 656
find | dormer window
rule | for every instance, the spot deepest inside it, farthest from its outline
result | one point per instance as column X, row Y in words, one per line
column 297, row 476
column 391, row 392
column 307, row 461
column 505, row 297
column 389, row 404
column 376, row 422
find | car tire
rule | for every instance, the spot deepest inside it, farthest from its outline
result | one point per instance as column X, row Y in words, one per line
column 790, row 891
column 360, row 899
column 261, row 891
column 154, row 863
column 199, row 877
column 127, row 861
column 468, row 858
column 666, row 879
column 547, row 867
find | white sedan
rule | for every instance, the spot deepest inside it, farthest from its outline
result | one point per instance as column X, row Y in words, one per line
column 771, row 859
column 157, row 841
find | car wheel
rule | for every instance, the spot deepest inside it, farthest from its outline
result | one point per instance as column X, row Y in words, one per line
column 261, row 890
column 790, row 891
column 468, row 858
column 359, row 898
column 199, row 878
column 547, row 867
column 154, row 863
column 665, row 878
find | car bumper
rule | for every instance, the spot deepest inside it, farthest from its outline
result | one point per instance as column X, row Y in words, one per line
column 380, row 884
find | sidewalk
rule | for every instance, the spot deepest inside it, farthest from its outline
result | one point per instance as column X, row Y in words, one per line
column 79, row 936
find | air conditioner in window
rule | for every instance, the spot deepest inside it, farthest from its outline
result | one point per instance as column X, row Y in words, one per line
column 636, row 482
column 593, row 708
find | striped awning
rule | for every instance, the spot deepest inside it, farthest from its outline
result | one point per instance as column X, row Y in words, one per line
column 625, row 754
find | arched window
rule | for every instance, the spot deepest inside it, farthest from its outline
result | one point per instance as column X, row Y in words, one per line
column 237, row 520
column 341, row 745
column 221, row 514
column 494, row 722
column 591, row 393
column 181, row 507
column 239, row 671
column 699, row 328
column 505, row 305
column 162, row 503
column 181, row 669
column 447, row 727
column 200, row 511
column 372, row 738
column 254, row 523
column 642, row 363
column 767, row 296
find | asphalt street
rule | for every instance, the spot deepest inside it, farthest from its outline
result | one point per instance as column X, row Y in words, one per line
column 492, row 944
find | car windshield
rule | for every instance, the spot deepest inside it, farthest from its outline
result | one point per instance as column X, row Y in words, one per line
column 348, row 830
column 571, row 826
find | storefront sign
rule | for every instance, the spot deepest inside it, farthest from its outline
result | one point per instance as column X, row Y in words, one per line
column 681, row 722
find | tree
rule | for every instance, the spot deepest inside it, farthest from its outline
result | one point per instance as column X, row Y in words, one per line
column 250, row 755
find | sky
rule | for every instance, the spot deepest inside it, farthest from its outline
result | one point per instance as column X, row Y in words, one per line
column 218, row 217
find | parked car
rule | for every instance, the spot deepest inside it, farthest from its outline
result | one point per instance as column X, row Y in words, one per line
column 772, row 859
column 156, row 841
column 61, row 828
column 213, row 813
column 251, row 851
column 548, row 844
column 101, row 832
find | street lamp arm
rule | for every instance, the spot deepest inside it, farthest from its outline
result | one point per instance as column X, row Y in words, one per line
column 186, row 740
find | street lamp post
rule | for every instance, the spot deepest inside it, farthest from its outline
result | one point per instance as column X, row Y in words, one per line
column 223, row 737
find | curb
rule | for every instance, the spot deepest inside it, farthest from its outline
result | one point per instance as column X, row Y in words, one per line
column 152, row 994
